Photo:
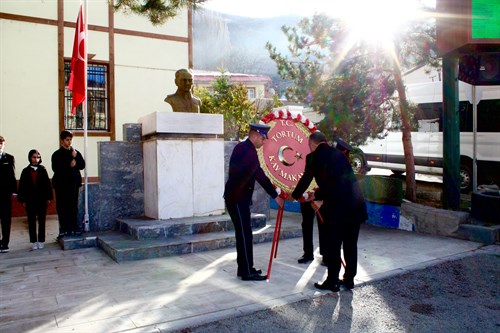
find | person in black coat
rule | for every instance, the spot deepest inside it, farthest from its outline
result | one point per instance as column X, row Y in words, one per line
column 244, row 170
column 35, row 193
column 67, row 180
column 307, row 225
column 8, row 186
column 342, row 207
column 308, row 213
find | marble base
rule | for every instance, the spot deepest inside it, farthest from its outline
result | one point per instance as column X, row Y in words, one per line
column 183, row 176
column 182, row 123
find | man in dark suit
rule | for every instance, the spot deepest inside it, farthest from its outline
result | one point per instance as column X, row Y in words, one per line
column 244, row 169
column 308, row 213
column 8, row 186
column 307, row 225
column 342, row 207
column 67, row 180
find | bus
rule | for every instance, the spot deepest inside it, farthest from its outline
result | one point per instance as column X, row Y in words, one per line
column 387, row 153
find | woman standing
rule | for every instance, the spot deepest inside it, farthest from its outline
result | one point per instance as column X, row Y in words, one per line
column 35, row 193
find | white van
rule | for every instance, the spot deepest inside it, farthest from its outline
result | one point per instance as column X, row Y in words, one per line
column 387, row 153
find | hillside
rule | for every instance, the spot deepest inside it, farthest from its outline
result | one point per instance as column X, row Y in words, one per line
column 237, row 43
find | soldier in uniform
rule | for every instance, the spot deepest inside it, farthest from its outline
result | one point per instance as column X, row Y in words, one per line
column 244, row 170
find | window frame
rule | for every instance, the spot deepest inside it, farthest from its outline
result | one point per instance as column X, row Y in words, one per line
column 253, row 90
column 110, row 130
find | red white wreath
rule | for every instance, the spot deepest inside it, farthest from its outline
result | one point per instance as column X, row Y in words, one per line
column 284, row 114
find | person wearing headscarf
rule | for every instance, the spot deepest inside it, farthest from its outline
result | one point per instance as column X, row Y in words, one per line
column 35, row 193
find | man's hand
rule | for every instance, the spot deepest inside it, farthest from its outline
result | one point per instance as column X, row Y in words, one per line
column 316, row 205
column 280, row 201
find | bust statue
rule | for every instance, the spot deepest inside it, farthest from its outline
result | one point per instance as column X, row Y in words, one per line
column 183, row 100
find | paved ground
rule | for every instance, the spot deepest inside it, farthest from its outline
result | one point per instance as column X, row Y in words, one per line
column 460, row 295
column 51, row 290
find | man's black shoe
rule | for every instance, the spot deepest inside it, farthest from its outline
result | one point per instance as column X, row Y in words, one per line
column 328, row 285
column 305, row 259
column 254, row 277
column 347, row 284
column 253, row 270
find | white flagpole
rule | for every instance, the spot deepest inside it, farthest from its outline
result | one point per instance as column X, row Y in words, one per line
column 86, row 227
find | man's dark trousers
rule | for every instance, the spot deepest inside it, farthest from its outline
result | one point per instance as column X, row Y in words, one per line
column 344, row 236
column 5, row 217
column 67, row 207
column 307, row 228
column 240, row 215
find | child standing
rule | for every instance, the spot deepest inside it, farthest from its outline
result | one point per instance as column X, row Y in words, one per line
column 35, row 193
column 67, row 180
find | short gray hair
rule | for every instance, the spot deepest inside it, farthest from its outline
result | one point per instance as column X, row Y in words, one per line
column 317, row 137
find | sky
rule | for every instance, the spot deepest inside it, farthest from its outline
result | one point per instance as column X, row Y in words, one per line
column 273, row 8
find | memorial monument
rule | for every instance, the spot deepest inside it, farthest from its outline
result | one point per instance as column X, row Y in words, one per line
column 183, row 99
column 183, row 155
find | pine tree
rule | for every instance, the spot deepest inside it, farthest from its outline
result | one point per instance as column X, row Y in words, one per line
column 352, row 83
column 157, row 11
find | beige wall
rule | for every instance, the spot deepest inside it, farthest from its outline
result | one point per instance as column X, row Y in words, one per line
column 29, row 109
column 28, row 90
column 35, row 8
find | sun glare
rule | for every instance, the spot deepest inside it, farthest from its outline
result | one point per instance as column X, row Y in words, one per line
column 375, row 21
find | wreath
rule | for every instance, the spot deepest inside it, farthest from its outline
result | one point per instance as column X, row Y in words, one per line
column 284, row 114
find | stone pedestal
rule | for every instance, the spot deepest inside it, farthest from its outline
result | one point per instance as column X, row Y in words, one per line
column 183, row 164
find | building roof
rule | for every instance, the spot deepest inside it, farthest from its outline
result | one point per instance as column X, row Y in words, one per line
column 201, row 76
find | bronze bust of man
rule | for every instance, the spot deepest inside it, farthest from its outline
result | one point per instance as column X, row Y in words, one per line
column 183, row 100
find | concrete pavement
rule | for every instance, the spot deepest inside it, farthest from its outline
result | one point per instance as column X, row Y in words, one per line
column 51, row 290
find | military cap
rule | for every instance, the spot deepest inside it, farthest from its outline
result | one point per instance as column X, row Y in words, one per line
column 342, row 145
column 260, row 128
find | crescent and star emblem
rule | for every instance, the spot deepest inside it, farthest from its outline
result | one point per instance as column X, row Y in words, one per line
column 81, row 38
column 281, row 155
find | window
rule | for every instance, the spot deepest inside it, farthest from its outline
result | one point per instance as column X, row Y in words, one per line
column 251, row 93
column 97, row 99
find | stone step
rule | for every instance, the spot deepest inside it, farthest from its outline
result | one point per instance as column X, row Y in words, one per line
column 124, row 247
column 145, row 228
column 486, row 234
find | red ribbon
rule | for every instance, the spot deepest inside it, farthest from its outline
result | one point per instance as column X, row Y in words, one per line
column 276, row 236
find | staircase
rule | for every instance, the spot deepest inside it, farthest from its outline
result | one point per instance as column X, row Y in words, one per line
column 144, row 238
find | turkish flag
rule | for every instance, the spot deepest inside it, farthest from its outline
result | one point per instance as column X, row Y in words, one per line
column 77, row 82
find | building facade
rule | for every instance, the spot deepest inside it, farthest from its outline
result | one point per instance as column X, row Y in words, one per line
column 131, row 67
column 257, row 85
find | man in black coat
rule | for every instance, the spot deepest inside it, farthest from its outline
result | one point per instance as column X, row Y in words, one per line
column 244, row 170
column 67, row 180
column 8, row 186
column 342, row 207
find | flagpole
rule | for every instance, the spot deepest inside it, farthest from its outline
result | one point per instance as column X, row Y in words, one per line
column 86, row 227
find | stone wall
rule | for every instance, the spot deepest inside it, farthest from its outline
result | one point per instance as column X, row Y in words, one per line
column 120, row 192
column 431, row 220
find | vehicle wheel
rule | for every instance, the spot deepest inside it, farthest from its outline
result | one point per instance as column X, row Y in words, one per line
column 358, row 164
column 465, row 178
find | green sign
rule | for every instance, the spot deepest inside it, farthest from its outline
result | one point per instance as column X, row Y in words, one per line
column 485, row 19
